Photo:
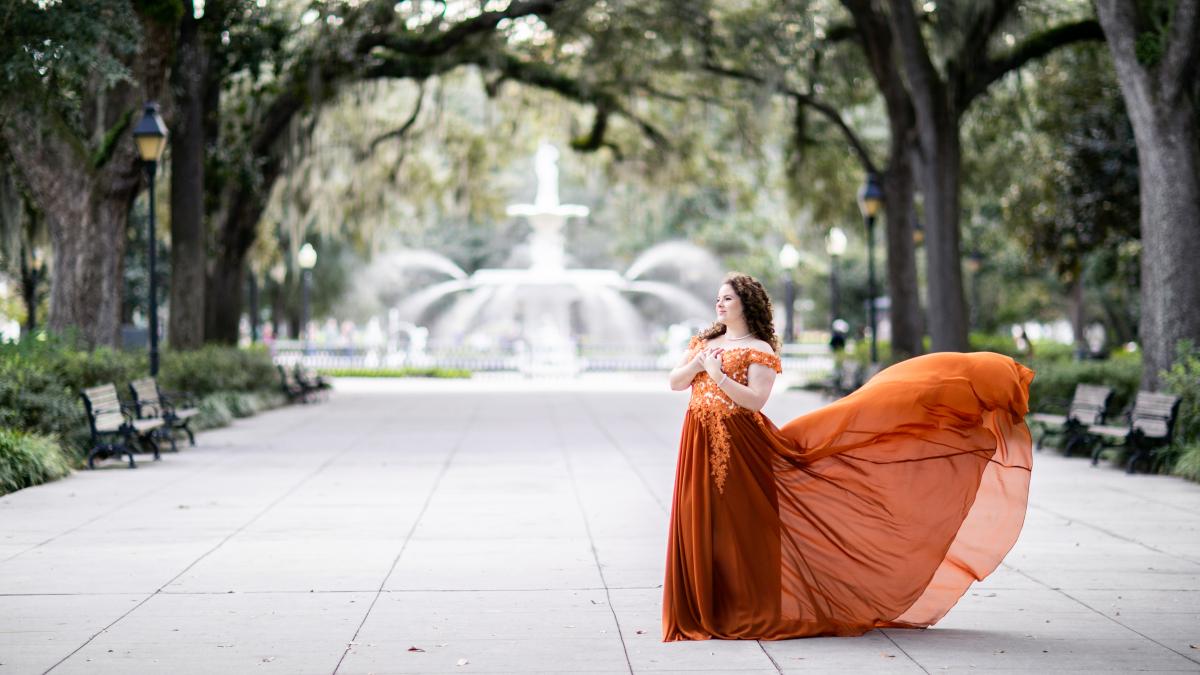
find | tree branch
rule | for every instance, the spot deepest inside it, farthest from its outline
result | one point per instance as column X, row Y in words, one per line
column 443, row 41
column 1033, row 47
column 803, row 99
column 403, row 129
column 544, row 77
column 926, row 88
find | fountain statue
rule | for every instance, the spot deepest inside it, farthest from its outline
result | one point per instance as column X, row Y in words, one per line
column 542, row 312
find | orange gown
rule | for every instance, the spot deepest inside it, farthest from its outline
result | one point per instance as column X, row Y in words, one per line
column 879, row 509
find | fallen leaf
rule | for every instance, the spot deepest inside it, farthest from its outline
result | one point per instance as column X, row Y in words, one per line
column 641, row 632
column 415, row 649
column 462, row 662
column 1194, row 646
column 268, row 659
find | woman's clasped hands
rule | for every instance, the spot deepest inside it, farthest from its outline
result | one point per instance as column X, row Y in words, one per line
column 710, row 361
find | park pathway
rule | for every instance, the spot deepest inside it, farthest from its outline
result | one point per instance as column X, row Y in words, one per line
column 498, row 526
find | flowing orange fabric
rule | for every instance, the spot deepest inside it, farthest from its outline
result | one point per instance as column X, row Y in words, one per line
column 877, row 510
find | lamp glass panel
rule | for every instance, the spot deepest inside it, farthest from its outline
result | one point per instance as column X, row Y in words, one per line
column 307, row 257
column 151, row 147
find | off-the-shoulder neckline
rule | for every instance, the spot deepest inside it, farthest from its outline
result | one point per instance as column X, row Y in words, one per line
column 752, row 349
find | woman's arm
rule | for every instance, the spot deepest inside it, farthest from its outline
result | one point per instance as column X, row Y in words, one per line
column 681, row 378
column 753, row 396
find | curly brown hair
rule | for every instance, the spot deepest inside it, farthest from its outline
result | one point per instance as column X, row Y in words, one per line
column 756, row 306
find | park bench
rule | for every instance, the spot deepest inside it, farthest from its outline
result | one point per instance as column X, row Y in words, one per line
column 311, row 380
column 114, row 428
column 1151, row 425
column 175, row 409
column 1089, row 405
column 291, row 388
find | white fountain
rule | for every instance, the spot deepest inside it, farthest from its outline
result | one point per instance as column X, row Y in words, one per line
column 544, row 310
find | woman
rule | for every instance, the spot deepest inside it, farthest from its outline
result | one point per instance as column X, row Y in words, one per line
column 877, row 510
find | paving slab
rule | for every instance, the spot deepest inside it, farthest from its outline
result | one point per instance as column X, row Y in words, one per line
column 509, row 526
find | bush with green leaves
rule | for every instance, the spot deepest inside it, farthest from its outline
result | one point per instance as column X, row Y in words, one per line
column 214, row 368
column 40, row 381
column 29, row 459
column 1183, row 380
column 1055, row 382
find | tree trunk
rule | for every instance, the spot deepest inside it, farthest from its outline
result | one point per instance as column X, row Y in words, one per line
column 1169, row 173
column 875, row 39
column 85, row 186
column 1164, row 116
column 188, row 249
column 224, row 299
column 898, row 189
column 87, row 231
column 939, row 168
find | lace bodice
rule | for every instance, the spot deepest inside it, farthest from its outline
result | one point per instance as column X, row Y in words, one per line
column 711, row 405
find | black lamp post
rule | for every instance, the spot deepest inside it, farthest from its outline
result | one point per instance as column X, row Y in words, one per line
column 151, row 136
column 789, row 260
column 870, row 198
column 307, row 258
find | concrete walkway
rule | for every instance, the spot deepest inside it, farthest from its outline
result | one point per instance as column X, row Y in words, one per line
column 488, row 527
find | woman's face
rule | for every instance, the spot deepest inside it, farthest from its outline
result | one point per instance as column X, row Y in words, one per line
column 729, row 305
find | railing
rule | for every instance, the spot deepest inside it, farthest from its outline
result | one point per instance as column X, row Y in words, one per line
column 801, row 362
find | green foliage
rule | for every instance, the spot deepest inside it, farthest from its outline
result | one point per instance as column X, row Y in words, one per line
column 110, row 139
column 1055, row 382
column 221, row 408
column 215, row 368
column 397, row 372
column 53, row 53
column 1183, row 379
column 1150, row 47
column 40, row 383
column 992, row 342
column 166, row 12
column 29, row 459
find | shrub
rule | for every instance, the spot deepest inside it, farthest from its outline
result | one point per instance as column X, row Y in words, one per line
column 1183, row 379
column 29, row 459
column 1055, row 382
column 215, row 368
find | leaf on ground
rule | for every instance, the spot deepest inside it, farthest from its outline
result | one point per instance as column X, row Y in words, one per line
column 1194, row 646
column 415, row 649
column 641, row 632
column 462, row 662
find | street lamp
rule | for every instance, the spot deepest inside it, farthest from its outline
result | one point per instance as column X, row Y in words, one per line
column 789, row 259
column 307, row 258
column 151, row 137
column 835, row 246
column 870, row 198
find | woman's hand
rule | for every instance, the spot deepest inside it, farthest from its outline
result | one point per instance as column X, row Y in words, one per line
column 711, row 361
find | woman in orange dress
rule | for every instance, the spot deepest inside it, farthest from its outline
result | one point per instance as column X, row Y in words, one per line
column 877, row 510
